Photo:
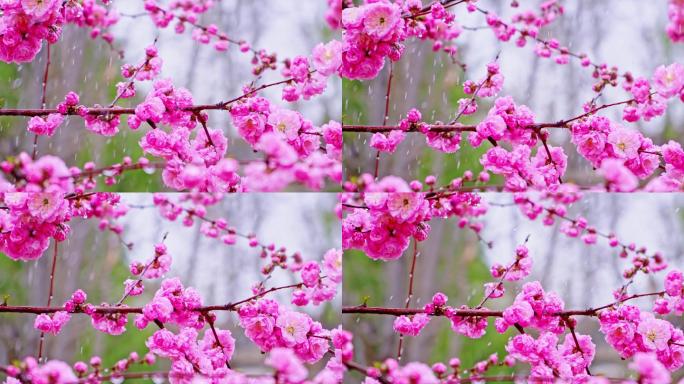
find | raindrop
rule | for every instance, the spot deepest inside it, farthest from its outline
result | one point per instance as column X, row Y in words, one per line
column 149, row 169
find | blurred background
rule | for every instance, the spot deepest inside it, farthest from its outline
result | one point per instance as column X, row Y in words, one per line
column 98, row 262
column 453, row 261
column 629, row 34
column 92, row 69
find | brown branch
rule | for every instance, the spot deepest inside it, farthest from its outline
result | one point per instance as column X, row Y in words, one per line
column 43, row 100
column 472, row 128
column 129, row 111
column 385, row 117
column 50, row 294
column 361, row 309
column 231, row 307
column 409, row 296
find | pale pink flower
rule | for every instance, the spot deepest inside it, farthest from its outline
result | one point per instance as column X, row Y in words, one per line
column 625, row 142
column 668, row 81
column 650, row 370
column 294, row 327
column 655, row 333
column 285, row 122
column 380, row 19
column 403, row 206
column 327, row 58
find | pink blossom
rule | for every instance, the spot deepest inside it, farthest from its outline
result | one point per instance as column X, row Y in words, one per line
column 387, row 142
column 327, row 58
column 415, row 373
column 404, row 206
column 492, row 126
column 655, row 333
column 411, row 326
column 650, row 370
column 285, row 122
column 51, row 324
column 45, row 126
column 669, row 81
column 470, row 326
column 293, row 326
column 520, row 313
column 380, row 19
column 625, row 142
column 105, row 125
column 52, row 372
column 448, row 142
column 618, row 177
column 674, row 283
column 288, row 366
column 111, row 323
column 152, row 109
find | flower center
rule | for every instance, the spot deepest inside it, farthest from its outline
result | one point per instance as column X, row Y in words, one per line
column 281, row 127
column 290, row 329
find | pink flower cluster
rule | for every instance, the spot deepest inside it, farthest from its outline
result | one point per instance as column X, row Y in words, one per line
column 165, row 104
column 506, row 121
column 32, row 220
column 149, row 69
column 630, row 331
column 25, row 24
column 372, row 32
column 578, row 227
column 522, row 171
column 320, row 281
column 533, row 308
column 51, row 372
column 672, row 179
column 309, row 78
column 51, row 324
column 411, row 325
column 333, row 15
column 550, row 361
column 383, row 230
column 526, row 25
column 519, row 269
column 48, row 125
column 674, row 290
column 97, row 17
column 675, row 13
column 270, row 326
column 412, row 372
column 187, row 13
column 45, row 126
column 191, row 163
column 650, row 369
column 113, row 323
column 376, row 30
column 438, row 25
column 291, row 145
column 473, row 327
column 388, row 142
column 490, row 86
column 173, row 303
column 190, row 357
column 157, row 267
